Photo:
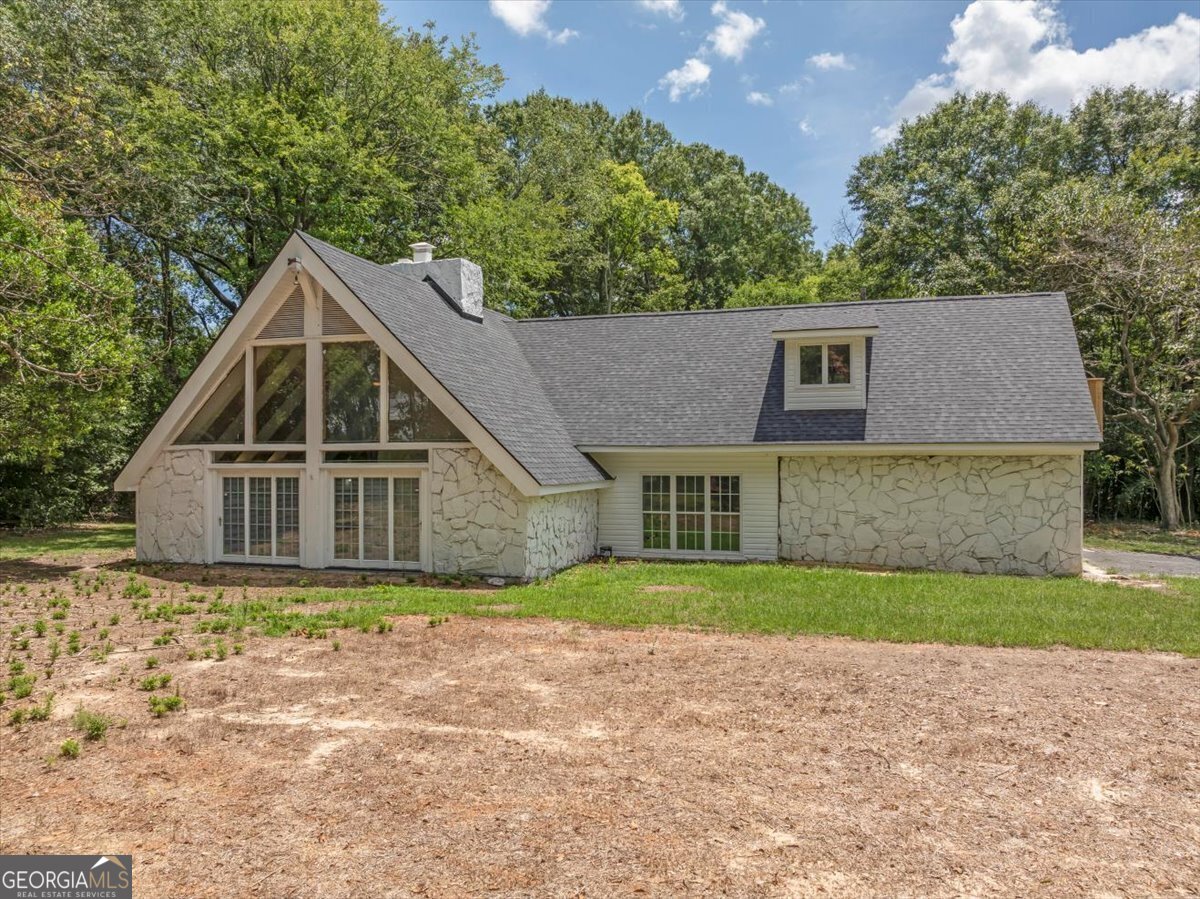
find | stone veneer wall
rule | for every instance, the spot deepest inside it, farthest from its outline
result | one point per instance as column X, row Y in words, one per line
column 478, row 516
column 170, row 508
column 561, row 529
column 962, row 513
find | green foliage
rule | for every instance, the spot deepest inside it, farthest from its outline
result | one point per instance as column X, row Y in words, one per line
column 69, row 749
column 154, row 682
column 161, row 705
column 92, row 725
column 982, row 195
column 66, row 350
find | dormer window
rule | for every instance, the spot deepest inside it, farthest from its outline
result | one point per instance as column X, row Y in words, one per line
column 823, row 364
column 825, row 356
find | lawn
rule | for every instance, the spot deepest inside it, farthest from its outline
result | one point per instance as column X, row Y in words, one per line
column 907, row 607
column 1140, row 537
column 67, row 544
column 678, row 728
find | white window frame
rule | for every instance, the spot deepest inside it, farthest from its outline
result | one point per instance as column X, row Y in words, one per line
column 389, row 471
column 707, row 551
column 264, row 470
column 851, row 350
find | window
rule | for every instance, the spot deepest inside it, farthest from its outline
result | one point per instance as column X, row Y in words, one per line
column 260, row 517
column 279, row 394
column 692, row 513
column 689, row 511
column 810, row 364
column 351, row 392
column 412, row 417
column 222, row 418
column 725, row 512
column 377, row 521
column 373, row 456
column 656, row 511
column 823, row 364
column 837, row 363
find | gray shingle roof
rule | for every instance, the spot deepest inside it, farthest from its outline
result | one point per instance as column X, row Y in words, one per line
column 479, row 362
column 943, row 370
column 827, row 316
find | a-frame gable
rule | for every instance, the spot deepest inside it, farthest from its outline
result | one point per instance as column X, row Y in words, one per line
column 272, row 294
column 438, row 394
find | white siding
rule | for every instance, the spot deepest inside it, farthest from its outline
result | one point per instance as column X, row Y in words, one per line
column 621, row 504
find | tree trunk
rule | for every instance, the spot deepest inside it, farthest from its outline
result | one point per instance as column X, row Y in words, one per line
column 1168, row 496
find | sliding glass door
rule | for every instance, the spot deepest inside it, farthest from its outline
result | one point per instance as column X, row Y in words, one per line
column 259, row 519
column 376, row 520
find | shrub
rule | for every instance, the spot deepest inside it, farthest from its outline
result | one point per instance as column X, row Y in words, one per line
column 69, row 749
column 92, row 725
column 151, row 661
column 161, row 705
column 155, row 682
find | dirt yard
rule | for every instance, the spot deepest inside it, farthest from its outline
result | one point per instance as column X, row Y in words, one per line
column 502, row 757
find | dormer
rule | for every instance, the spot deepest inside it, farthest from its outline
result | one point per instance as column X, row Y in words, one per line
column 825, row 356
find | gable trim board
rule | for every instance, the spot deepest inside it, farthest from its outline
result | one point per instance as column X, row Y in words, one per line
column 563, row 419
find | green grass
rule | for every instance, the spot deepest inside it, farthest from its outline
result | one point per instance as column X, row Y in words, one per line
column 1139, row 537
column 789, row 600
column 66, row 543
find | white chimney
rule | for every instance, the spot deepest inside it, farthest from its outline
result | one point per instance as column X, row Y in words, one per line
column 460, row 279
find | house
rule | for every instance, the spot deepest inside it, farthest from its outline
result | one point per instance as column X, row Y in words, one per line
column 378, row 416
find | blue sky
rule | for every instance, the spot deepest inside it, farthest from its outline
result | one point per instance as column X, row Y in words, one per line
column 800, row 90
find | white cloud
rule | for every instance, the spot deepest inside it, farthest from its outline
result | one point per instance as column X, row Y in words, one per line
column 527, row 17
column 805, row 127
column 686, row 81
column 798, row 86
column 829, row 61
column 673, row 9
column 736, row 31
column 1022, row 48
column 758, row 98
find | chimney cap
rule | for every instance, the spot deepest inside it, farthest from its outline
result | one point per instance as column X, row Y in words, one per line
column 422, row 251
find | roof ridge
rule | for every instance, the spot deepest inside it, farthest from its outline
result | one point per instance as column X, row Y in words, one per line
column 790, row 306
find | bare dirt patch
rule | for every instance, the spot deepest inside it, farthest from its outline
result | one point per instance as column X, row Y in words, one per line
column 530, row 757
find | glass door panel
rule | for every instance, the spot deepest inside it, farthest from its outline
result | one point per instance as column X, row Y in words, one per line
column 406, row 519
column 287, row 517
column 233, row 516
column 375, row 519
column 260, row 517
column 345, row 518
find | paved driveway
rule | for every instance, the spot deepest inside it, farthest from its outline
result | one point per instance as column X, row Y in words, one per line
column 1142, row 563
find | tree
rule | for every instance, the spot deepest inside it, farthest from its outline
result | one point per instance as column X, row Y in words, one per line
column 1133, row 276
column 66, row 348
column 636, row 269
column 942, row 203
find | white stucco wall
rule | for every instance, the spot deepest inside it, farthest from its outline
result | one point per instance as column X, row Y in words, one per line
column 961, row 513
column 170, row 508
column 478, row 517
column 561, row 530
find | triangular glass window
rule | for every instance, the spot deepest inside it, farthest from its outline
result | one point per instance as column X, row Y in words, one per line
column 412, row 416
column 222, row 418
